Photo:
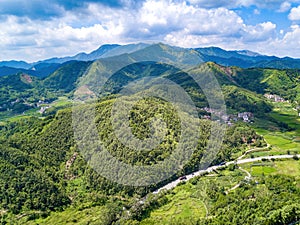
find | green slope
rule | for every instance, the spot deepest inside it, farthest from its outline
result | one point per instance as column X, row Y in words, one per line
column 281, row 82
column 64, row 79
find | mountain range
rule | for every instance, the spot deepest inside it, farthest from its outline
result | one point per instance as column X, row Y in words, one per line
column 152, row 60
column 240, row 58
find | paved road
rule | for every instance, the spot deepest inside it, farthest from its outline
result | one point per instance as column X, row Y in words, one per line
column 211, row 169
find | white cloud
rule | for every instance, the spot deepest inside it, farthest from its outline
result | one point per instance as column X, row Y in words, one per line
column 174, row 22
column 292, row 38
column 289, row 45
column 261, row 4
column 295, row 14
column 52, row 38
column 260, row 32
column 285, row 6
column 98, row 25
column 171, row 17
column 251, row 36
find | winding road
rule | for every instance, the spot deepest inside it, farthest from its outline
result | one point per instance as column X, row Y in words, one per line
column 174, row 183
column 254, row 150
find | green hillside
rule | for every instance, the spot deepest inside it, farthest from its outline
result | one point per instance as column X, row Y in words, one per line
column 18, row 93
column 22, row 92
column 178, row 61
column 65, row 78
column 243, row 100
column 281, row 82
column 49, row 174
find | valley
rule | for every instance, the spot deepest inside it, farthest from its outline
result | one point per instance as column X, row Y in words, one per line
column 253, row 178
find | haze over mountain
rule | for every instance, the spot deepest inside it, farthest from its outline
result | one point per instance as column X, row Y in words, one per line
column 240, row 58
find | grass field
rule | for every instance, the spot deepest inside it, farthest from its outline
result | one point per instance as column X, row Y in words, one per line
column 281, row 141
column 259, row 170
column 181, row 205
column 72, row 216
column 284, row 167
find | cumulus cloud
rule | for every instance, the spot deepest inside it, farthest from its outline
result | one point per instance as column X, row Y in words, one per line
column 248, row 35
column 158, row 17
column 83, row 26
column 260, row 32
column 33, row 41
column 289, row 45
column 295, row 13
column 285, row 6
column 263, row 4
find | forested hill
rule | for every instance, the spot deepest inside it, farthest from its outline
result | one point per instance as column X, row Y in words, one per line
column 38, row 175
column 45, row 173
column 22, row 92
column 61, row 79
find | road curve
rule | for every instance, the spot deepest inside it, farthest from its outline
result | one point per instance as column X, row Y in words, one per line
column 174, row 183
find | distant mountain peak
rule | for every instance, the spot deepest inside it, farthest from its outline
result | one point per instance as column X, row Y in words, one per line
column 15, row 64
column 125, row 49
column 104, row 48
column 158, row 51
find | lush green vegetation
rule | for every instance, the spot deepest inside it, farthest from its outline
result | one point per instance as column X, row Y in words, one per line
column 34, row 152
column 281, row 82
column 269, row 198
column 180, row 204
column 281, row 130
column 277, row 167
column 45, row 179
column 20, row 93
column 65, row 78
column 241, row 100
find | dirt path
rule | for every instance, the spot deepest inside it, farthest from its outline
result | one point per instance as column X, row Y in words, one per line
column 254, row 150
column 247, row 178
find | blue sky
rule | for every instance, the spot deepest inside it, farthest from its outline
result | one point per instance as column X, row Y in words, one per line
column 39, row 29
